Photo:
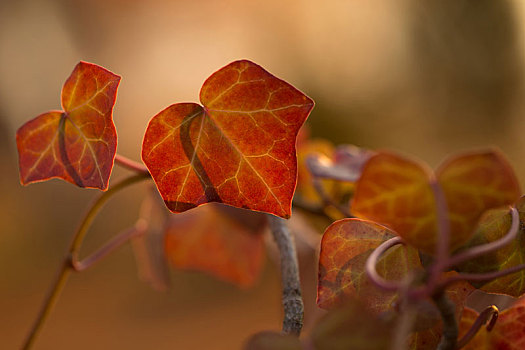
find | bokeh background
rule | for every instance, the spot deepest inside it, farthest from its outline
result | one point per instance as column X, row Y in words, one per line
column 422, row 77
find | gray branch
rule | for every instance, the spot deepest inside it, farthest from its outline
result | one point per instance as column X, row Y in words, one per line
column 291, row 286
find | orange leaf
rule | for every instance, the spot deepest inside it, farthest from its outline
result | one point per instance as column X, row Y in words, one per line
column 238, row 148
column 79, row 143
column 508, row 333
column 473, row 183
column 345, row 247
column 395, row 191
column 223, row 241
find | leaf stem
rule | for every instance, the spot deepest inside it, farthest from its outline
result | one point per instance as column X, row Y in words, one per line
column 371, row 263
column 115, row 243
column 483, row 249
column 291, row 286
column 481, row 277
column 66, row 267
column 130, row 164
column 490, row 315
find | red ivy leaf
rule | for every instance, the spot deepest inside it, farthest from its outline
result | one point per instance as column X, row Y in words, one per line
column 238, row 148
column 79, row 143
column 223, row 241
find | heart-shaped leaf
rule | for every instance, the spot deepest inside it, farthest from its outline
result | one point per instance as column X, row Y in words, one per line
column 238, row 148
column 79, row 143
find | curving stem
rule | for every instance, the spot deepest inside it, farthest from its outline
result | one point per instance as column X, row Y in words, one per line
column 130, row 164
column 479, row 250
column 490, row 315
column 116, row 242
column 291, row 286
column 66, row 267
column 371, row 263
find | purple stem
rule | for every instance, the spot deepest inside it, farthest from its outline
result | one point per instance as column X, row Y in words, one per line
column 115, row 243
column 489, row 247
column 130, row 164
column 371, row 263
column 490, row 314
column 481, row 277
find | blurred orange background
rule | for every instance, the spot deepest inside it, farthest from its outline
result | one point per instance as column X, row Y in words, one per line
column 425, row 78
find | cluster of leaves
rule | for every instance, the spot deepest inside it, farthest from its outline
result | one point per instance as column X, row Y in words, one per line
column 239, row 148
column 393, row 196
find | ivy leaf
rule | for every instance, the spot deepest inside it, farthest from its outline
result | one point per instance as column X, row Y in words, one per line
column 345, row 247
column 223, row 241
column 79, row 143
column 493, row 225
column 395, row 191
column 508, row 332
column 238, row 148
column 473, row 183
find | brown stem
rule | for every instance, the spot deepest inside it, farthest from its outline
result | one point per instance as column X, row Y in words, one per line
column 50, row 301
column 66, row 267
column 450, row 326
column 130, row 164
column 291, row 286
column 490, row 314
